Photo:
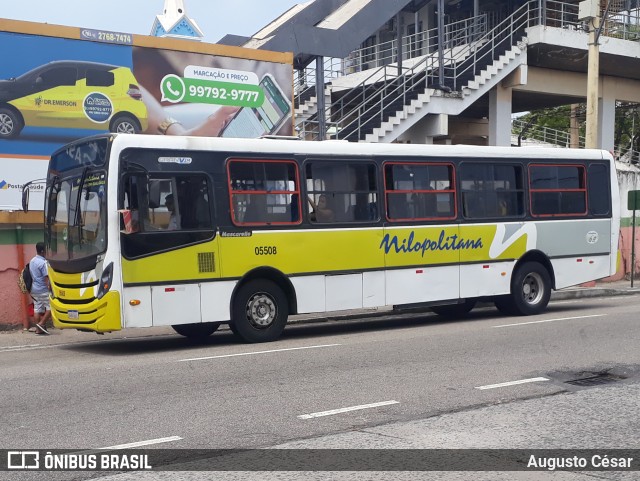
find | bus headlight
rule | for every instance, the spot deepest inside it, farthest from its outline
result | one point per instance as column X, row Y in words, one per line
column 105, row 281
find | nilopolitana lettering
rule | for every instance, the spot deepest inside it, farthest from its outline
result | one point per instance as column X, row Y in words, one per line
column 444, row 243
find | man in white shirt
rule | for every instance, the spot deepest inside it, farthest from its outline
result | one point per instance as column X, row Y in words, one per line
column 40, row 289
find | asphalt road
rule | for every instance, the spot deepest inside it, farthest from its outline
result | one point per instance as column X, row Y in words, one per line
column 412, row 382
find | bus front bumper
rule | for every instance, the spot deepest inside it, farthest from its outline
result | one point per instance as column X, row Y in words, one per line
column 100, row 315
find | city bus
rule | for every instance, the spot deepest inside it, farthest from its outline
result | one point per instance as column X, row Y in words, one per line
column 193, row 233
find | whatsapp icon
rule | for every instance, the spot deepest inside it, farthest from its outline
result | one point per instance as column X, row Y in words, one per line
column 172, row 88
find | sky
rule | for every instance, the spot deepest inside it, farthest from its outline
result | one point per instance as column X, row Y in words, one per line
column 216, row 18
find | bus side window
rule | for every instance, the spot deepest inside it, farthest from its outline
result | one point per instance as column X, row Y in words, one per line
column 598, row 185
column 558, row 189
column 491, row 189
column 341, row 192
column 264, row 192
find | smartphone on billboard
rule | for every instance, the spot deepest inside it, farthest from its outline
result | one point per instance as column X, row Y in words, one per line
column 251, row 123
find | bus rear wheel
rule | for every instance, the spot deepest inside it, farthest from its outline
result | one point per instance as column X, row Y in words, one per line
column 455, row 310
column 260, row 311
column 196, row 331
column 530, row 291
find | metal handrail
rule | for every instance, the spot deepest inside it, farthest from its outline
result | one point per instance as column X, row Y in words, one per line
column 456, row 33
column 377, row 82
column 562, row 139
column 415, row 45
column 377, row 93
column 461, row 60
column 544, row 134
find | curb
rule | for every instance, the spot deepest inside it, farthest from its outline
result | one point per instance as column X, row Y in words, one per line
column 586, row 292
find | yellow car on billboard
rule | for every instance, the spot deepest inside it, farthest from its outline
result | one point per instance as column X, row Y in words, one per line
column 75, row 95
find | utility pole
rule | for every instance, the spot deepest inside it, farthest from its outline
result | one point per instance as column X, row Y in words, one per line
column 589, row 10
column 574, row 128
column 593, row 80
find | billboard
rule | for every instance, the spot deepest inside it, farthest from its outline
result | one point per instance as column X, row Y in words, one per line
column 58, row 84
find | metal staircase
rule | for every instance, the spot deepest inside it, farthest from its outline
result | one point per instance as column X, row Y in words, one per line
column 386, row 103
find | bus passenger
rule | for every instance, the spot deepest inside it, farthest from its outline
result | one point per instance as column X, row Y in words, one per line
column 321, row 211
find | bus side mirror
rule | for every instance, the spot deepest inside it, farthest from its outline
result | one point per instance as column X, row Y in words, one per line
column 25, row 198
column 26, row 190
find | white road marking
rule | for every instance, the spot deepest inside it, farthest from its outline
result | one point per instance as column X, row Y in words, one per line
column 18, row 348
column 256, row 352
column 549, row 320
column 143, row 443
column 513, row 383
column 346, row 410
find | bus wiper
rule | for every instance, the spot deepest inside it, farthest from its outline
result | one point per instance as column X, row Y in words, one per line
column 76, row 219
column 55, row 186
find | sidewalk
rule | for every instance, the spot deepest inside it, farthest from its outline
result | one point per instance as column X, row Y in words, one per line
column 601, row 289
column 18, row 339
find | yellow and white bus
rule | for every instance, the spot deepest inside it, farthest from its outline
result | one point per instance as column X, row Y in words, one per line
column 194, row 232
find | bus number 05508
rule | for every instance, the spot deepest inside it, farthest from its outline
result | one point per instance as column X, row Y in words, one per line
column 266, row 251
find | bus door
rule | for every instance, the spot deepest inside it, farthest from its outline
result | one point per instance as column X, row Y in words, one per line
column 421, row 238
column 170, row 251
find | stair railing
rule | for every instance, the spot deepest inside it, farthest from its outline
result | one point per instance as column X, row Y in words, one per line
column 469, row 58
column 375, row 85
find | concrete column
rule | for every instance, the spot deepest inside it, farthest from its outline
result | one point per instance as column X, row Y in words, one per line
column 500, row 116
column 574, row 128
column 606, row 117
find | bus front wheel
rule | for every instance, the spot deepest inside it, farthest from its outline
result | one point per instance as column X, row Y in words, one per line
column 530, row 291
column 196, row 331
column 260, row 311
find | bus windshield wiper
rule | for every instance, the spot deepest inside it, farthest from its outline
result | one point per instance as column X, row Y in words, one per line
column 76, row 219
column 55, row 186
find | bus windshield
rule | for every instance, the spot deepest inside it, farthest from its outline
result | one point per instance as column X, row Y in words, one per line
column 76, row 206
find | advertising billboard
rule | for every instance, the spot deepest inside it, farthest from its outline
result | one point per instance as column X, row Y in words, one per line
column 58, row 84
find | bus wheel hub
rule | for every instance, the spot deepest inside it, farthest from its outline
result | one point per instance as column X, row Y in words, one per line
column 261, row 311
